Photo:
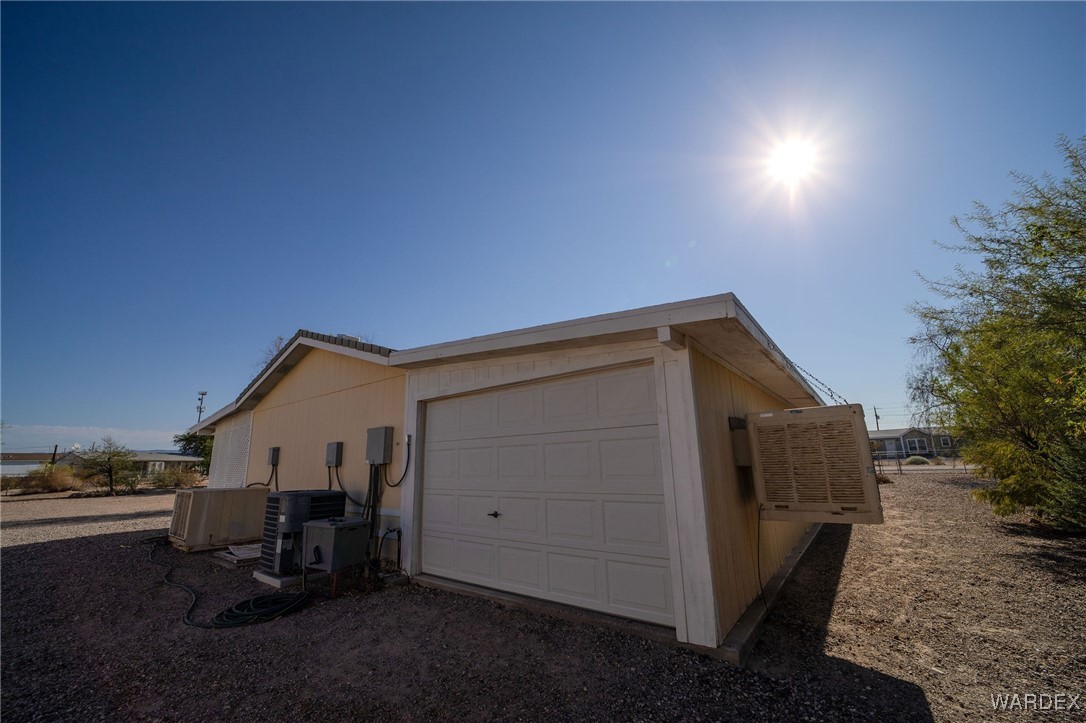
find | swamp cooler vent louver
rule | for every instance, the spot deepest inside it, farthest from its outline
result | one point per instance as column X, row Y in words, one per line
column 814, row 465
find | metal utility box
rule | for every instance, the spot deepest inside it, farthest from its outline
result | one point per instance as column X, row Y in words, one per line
column 379, row 445
column 273, row 456
column 336, row 544
column 284, row 518
column 333, row 455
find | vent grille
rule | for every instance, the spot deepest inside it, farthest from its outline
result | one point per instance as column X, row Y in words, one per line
column 182, row 508
column 284, row 518
column 814, row 464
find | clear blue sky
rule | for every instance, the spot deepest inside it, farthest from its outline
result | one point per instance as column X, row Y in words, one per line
column 184, row 182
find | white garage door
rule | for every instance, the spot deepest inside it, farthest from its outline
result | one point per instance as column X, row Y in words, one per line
column 552, row 490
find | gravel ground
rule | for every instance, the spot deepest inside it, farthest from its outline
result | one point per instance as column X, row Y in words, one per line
column 922, row 618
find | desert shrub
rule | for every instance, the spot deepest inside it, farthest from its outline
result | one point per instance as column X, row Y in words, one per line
column 168, row 479
column 51, row 478
column 883, row 479
column 938, row 460
column 916, row 459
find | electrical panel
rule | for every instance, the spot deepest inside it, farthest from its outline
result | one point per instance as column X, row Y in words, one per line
column 273, row 456
column 379, row 445
column 814, row 465
column 333, row 456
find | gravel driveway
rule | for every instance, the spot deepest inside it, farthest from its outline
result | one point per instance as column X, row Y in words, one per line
column 922, row 618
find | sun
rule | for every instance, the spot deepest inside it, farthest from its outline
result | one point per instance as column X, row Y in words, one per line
column 792, row 161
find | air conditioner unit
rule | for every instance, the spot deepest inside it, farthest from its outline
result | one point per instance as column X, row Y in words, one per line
column 204, row 519
column 814, row 465
column 284, row 524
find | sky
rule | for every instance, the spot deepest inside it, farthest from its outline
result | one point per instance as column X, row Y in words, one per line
column 182, row 183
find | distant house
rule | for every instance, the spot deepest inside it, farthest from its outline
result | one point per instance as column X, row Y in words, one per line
column 18, row 464
column 909, row 441
column 148, row 463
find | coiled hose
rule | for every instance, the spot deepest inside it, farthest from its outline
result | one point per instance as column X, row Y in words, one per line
column 259, row 609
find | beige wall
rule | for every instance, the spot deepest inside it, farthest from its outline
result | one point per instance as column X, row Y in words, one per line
column 326, row 398
column 731, row 506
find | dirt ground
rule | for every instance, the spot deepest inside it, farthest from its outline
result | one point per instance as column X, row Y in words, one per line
column 923, row 618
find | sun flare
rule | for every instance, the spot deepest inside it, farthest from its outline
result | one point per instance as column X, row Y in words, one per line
column 792, row 161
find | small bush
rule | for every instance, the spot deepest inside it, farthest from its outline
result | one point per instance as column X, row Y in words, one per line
column 938, row 460
column 51, row 478
column 168, row 479
column 916, row 459
column 883, row 479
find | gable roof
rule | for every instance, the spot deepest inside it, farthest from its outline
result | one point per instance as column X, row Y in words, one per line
column 293, row 351
column 720, row 324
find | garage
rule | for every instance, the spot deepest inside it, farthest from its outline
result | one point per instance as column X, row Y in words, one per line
column 552, row 490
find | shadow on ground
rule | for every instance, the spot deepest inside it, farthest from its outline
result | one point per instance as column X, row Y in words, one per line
column 90, row 631
column 793, row 639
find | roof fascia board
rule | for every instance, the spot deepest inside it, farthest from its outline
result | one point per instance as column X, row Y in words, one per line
column 651, row 317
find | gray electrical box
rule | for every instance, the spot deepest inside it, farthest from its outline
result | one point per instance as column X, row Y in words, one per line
column 336, row 544
column 379, row 445
column 273, row 456
column 333, row 457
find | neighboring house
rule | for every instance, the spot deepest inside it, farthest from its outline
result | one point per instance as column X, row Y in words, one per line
column 18, row 464
column 148, row 463
column 587, row 462
column 909, row 441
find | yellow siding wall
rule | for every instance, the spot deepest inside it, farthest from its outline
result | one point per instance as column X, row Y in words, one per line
column 732, row 508
column 329, row 398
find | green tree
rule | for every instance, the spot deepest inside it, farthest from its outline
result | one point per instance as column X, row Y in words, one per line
column 196, row 445
column 111, row 462
column 1003, row 362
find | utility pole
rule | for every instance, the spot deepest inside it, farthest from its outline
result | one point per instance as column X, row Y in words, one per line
column 200, row 406
column 876, row 417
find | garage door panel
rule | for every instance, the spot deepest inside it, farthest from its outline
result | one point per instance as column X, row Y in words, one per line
column 520, row 568
column 439, row 511
column 520, row 408
column 570, row 401
column 476, row 560
column 571, row 461
column 520, row 516
column 639, row 527
column 519, row 463
column 573, row 468
column 575, row 522
column 477, row 462
column 640, row 590
column 620, row 461
column 628, row 394
column 440, row 554
column 576, row 576
column 473, row 513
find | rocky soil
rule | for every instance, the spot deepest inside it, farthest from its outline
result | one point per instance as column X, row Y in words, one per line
column 925, row 617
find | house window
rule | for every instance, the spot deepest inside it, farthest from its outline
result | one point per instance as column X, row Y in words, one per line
column 944, row 442
column 917, row 446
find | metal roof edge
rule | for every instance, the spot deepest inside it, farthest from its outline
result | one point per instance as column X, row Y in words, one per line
column 648, row 317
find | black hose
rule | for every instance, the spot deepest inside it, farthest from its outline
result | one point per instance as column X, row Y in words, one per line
column 254, row 610
column 340, row 483
column 275, row 473
column 405, row 468
column 260, row 609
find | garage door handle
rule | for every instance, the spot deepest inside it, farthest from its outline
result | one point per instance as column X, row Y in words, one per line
column 494, row 514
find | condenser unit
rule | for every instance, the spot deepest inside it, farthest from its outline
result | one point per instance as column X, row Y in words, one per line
column 204, row 519
column 284, row 523
column 814, row 465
